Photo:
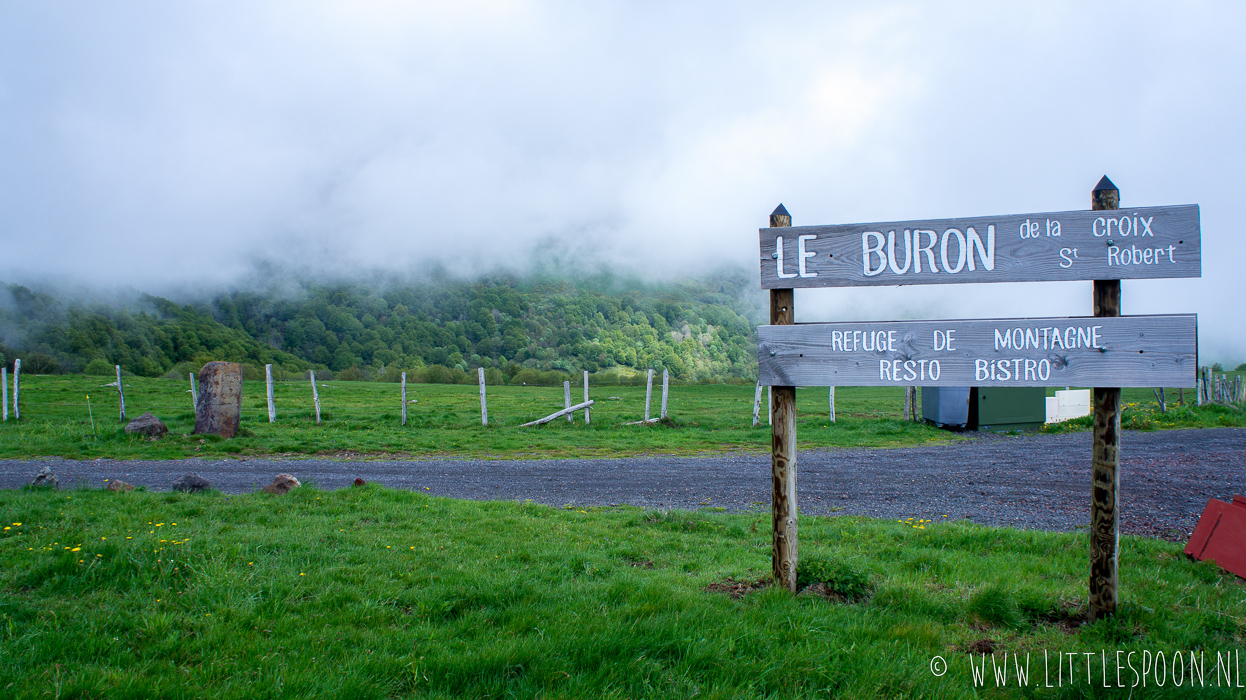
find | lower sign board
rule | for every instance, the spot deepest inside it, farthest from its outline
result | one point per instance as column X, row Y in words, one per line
column 1123, row 351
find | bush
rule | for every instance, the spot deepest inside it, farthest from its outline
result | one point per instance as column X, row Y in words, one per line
column 99, row 367
column 251, row 373
column 840, row 577
column 353, row 374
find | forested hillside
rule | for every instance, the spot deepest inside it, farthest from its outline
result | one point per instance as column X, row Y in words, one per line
column 436, row 330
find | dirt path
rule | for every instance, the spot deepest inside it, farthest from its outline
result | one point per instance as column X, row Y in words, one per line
column 1029, row 481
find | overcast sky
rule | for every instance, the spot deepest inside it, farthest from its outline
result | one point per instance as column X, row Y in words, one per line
column 172, row 146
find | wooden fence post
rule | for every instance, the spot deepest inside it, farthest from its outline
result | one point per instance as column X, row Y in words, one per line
column 908, row 403
column 831, row 400
column 785, row 542
column 404, row 398
column 484, row 406
column 757, row 405
column 4, row 390
column 17, row 389
column 194, row 393
column 648, row 394
column 1105, row 452
column 315, row 395
column 769, row 405
column 272, row 406
column 587, row 419
column 666, row 385
column 120, row 394
column 566, row 399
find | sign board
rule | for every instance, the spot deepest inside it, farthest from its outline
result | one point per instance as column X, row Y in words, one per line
column 1122, row 351
column 1138, row 243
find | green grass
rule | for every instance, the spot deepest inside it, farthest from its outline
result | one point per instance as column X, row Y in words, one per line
column 363, row 419
column 374, row 593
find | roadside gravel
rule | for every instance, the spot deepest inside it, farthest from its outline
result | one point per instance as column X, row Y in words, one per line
column 1027, row 481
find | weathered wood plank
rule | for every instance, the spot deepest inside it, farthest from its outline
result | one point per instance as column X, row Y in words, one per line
column 315, row 395
column 566, row 399
column 1127, row 351
column 272, row 405
column 756, row 404
column 404, row 398
column 648, row 393
column 666, row 387
column 559, row 414
column 587, row 411
column 120, row 394
column 785, row 544
column 194, row 393
column 4, row 391
column 1135, row 243
column 484, row 406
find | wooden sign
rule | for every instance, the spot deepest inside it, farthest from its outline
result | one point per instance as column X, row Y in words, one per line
column 1124, row 351
column 1138, row 243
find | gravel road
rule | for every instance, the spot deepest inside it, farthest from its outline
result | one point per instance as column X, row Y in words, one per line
column 1027, row 481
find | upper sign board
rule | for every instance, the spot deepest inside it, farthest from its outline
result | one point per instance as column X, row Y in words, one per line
column 1119, row 351
column 1138, row 243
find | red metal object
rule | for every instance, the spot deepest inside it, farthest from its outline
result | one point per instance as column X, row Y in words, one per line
column 1220, row 535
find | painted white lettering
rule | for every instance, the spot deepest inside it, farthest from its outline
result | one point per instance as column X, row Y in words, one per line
column 856, row 340
column 1083, row 337
column 802, row 255
column 778, row 259
column 1125, row 226
column 987, row 254
column 960, row 256
column 918, row 249
column 940, row 341
column 1004, row 373
column 1171, row 248
column 1031, row 370
column 1044, row 369
column 868, row 250
column 1002, row 340
column 910, row 370
column 1146, row 225
column 891, row 341
column 868, row 345
column 891, row 251
column 884, row 369
column 951, row 338
column 922, row 369
column 1094, row 228
column 934, row 370
column 1147, row 256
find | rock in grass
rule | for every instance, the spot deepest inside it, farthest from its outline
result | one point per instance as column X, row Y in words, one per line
column 191, row 483
column 148, row 425
column 282, row 484
column 119, row 485
column 46, row 478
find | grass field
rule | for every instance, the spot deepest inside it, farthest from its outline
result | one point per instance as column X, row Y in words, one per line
column 363, row 418
column 374, row 593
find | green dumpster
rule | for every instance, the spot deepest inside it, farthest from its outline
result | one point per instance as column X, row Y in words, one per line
column 1007, row 408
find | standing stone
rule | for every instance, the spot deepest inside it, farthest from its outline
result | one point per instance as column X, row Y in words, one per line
column 46, row 478
column 219, row 409
column 282, row 484
column 190, row 483
column 148, row 425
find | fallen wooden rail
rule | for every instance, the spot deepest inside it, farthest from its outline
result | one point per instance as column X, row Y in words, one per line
column 563, row 412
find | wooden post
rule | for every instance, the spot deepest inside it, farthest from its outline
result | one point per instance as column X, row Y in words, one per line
column 832, row 403
column 785, row 554
column 908, row 403
column 484, row 406
column 315, row 395
column 1105, row 452
column 566, row 399
column 769, row 405
column 4, row 391
column 586, row 409
column 17, row 389
column 666, row 385
column 404, row 398
column 120, row 393
column 648, row 394
column 272, row 406
column 757, row 405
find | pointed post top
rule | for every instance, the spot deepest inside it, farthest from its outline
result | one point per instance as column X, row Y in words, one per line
column 779, row 217
column 1105, row 195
